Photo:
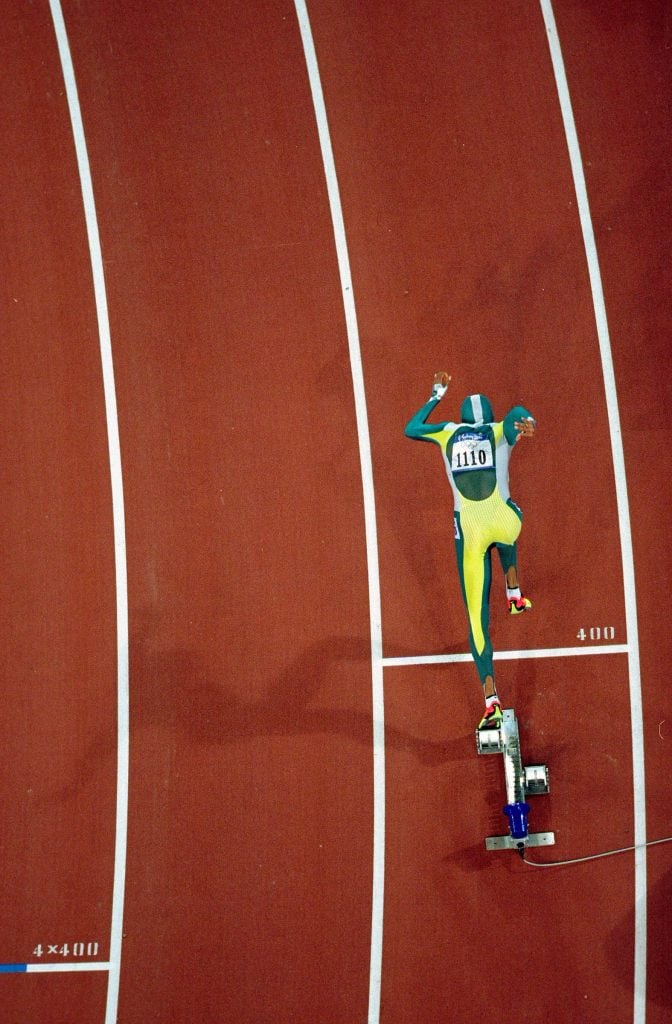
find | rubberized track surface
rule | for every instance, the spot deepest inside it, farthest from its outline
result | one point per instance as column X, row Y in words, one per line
column 250, row 828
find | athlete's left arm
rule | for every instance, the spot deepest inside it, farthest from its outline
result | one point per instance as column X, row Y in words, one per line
column 519, row 422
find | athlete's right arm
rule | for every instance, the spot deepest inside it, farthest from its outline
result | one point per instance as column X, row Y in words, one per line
column 419, row 429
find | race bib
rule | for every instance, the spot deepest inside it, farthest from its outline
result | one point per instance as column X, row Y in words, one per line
column 471, row 451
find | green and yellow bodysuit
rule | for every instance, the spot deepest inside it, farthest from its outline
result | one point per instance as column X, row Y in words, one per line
column 476, row 454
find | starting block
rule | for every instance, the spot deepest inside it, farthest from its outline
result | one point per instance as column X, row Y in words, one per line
column 520, row 782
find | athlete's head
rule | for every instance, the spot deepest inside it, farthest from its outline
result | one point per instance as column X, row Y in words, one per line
column 477, row 409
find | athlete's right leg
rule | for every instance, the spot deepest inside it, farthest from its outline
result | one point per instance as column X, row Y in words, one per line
column 515, row 599
column 509, row 526
column 473, row 563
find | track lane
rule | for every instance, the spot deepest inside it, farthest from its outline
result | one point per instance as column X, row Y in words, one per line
column 477, row 247
column 56, row 590
column 623, row 126
column 250, row 811
column 423, row 142
column 456, row 912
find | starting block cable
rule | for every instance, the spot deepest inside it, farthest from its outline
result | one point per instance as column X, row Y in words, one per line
column 594, row 856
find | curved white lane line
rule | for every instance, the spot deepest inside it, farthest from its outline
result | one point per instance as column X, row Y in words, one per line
column 114, row 449
column 636, row 715
column 369, row 514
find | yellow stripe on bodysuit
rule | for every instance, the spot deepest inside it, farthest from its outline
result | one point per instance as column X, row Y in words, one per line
column 483, row 523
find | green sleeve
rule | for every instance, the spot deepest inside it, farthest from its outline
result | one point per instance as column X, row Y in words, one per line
column 517, row 413
column 419, row 429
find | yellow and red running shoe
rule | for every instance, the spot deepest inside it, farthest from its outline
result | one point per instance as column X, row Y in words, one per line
column 518, row 605
column 492, row 719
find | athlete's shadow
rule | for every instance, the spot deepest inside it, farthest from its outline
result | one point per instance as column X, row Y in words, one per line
column 175, row 690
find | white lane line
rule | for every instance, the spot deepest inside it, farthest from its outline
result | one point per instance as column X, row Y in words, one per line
column 636, row 716
column 66, row 968
column 369, row 514
column 114, row 450
column 549, row 652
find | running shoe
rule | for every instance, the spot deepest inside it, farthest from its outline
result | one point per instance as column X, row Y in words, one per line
column 492, row 719
column 518, row 605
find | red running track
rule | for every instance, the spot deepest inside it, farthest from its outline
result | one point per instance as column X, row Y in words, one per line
column 250, row 842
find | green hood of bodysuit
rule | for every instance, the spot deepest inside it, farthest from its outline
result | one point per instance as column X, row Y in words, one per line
column 477, row 409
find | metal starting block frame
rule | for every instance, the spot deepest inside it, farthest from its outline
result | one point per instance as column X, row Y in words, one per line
column 521, row 781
